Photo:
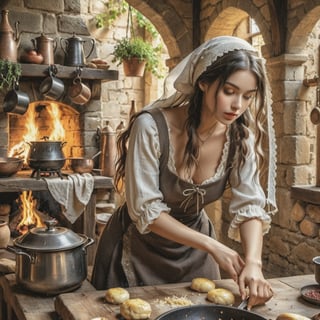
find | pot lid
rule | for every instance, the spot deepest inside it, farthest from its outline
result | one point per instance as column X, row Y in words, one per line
column 49, row 238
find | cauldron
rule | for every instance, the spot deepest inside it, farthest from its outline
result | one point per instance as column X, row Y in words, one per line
column 46, row 155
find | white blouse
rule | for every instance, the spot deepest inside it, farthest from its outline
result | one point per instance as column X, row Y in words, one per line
column 145, row 200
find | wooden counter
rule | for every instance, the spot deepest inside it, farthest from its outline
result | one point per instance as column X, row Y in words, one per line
column 17, row 304
column 86, row 224
column 87, row 305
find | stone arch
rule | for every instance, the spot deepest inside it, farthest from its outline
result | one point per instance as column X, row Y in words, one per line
column 298, row 34
column 225, row 18
column 169, row 24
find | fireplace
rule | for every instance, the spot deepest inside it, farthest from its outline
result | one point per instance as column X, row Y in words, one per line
column 46, row 120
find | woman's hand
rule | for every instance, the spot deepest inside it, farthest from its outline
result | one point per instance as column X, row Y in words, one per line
column 253, row 284
column 228, row 260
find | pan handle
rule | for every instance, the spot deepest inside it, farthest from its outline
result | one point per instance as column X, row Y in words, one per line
column 244, row 304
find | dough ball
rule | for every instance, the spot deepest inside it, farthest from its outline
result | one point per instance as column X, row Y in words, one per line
column 291, row 316
column 133, row 309
column 117, row 295
column 202, row 284
column 221, row 296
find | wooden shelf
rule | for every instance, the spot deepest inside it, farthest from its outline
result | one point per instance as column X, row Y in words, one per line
column 65, row 72
column 309, row 194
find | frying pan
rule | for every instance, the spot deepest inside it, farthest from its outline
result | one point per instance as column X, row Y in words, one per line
column 209, row 312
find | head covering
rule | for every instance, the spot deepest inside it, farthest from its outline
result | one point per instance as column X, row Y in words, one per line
column 180, row 83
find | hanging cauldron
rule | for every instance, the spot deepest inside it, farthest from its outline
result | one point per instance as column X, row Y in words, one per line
column 46, row 155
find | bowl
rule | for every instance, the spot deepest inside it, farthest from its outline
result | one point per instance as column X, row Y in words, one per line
column 9, row 166
column 81, row 165
column 316, row 262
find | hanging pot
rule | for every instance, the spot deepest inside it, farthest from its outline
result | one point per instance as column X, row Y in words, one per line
column 134, row 67
column 51, row 260
column 46, row 155
column 51, row 87
column 16, row 101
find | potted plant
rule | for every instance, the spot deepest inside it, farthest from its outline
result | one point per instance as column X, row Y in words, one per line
column 9, row 74
column 136, row 55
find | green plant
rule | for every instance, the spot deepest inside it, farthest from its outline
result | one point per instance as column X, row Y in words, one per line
column 128, row 48
column 9, row 74
column 113, row 10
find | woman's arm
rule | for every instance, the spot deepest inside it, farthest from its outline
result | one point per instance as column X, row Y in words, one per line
column 170, row 228
column 251, row 276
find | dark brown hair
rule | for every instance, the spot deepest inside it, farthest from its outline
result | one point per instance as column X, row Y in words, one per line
column 253, row 118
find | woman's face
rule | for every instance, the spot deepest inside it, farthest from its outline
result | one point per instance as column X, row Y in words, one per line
column 233, row 98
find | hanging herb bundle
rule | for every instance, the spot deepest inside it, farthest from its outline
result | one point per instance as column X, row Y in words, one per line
column 9, row 74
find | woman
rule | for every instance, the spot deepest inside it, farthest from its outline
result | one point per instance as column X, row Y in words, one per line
column 178, row 155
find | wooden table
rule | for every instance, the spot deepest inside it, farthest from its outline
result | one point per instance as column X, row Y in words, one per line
column 86, row 224
column 87, row 305
column 17, row 304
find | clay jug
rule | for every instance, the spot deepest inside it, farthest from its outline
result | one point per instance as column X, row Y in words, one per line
column 4, row 234
column 46, row 47
column 74, row 51
column 108, row 151
column 9, row 41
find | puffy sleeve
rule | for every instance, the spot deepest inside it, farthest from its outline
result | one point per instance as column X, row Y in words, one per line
column 248, row 198
column 143, row 196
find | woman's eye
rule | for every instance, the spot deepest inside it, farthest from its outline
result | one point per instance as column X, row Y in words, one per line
column 248, row 97
column 228, row 91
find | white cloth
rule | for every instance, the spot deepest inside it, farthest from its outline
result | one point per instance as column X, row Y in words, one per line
column 142, row 181
column 73, row 193
column 179, row 86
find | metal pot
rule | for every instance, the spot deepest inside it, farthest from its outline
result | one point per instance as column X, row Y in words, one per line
column 208, row 312
column 46, row 155
column 10, row 166
column 51, row 260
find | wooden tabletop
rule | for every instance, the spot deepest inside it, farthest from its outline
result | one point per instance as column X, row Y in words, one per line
column 22, row 181
column 91, row 304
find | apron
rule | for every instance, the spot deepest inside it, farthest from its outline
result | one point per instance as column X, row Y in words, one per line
column 127, row 258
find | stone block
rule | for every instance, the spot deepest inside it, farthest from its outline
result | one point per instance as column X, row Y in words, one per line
column 68, row 24
column 51, row 6
column 50, row 24
column 294, row 150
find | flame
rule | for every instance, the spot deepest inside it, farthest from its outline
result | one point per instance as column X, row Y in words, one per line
column 32, row 133
column 58, row 132
column 29, row 215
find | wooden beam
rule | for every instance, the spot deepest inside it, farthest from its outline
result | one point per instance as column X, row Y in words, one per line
column 278, row 13
column 196, row 7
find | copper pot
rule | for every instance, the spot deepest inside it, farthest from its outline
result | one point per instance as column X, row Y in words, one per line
column 9, row 166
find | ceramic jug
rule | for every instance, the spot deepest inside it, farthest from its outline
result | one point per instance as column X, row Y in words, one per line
column 74, row 50
column 9, row 41
column 46, row 47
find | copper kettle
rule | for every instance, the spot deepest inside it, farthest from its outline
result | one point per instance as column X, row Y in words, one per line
column 9, row 41
column 74, row 51
column 46, row 47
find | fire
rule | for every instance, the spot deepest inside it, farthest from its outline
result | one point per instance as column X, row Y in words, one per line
column 58, row 132
column 29, row 213
column 32, row 133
